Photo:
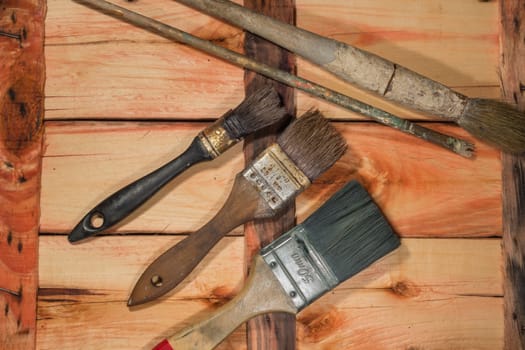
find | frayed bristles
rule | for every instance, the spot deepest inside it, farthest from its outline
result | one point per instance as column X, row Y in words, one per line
column 258, row 110
column 312, row 143
column 349, row 231
column 496, row 123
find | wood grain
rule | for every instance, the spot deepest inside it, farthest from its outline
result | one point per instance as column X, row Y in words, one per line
column 426, row 294
column 86, row 161
column 93, row 59
column 21, row 118
column 512, row 80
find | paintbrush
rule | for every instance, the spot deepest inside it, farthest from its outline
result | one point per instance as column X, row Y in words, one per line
column 344, row 236
column 304, row 150
column 495, row 122
column 459, row 146
column 258, row 110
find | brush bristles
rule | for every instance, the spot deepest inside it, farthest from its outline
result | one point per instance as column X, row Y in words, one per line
column 495, row 122
column 312, row 143
column 258, row 110
column 350, row 232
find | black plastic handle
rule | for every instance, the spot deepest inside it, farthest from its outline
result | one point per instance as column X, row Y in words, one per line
column 123, row 202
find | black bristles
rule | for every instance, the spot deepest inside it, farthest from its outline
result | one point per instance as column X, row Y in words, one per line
column 258, row 110
column 312, row 143
column 350, row 232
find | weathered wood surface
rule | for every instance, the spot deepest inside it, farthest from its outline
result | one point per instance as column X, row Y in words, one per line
column 429, row 294
column 21, row 119
column 101, row 68
column 86, row 161
column 513, row 86
column 272, row 331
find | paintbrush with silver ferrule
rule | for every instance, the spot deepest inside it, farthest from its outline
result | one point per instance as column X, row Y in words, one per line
column 304, row 150
column 344, row 236
column 256, row 111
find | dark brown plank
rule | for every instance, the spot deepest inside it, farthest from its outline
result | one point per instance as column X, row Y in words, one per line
column 21, row 115
column 272, row 331
column 513, row 87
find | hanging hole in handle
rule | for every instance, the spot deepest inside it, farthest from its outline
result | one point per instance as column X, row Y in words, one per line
column 156, row 281
column 96, row 220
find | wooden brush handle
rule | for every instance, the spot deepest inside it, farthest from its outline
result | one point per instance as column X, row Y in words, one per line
column 356, row 66
column 262, row 293
column 120, row 204
column 175, row 264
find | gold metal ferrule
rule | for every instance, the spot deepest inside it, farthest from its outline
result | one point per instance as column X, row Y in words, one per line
column 215, row 138
column 276, row 177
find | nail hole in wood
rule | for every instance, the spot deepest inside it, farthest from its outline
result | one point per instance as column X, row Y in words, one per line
column 12, row 94
column 20, row 247
column 13, row 17
column 9, row 237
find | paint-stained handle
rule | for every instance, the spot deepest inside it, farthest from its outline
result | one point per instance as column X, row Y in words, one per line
column 361, row 68
column 262, row 293
column 123, row 202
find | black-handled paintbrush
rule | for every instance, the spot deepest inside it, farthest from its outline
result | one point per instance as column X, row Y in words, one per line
column 304, row 150
column 497, row 123
column 459, row 146
column 344, row 236
column 256, row 111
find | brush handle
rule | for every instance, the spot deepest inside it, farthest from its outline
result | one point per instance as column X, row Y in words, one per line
column 459, row 146
column 174, row 265
column 261, row 294
column 123, row 202
column 356, row 66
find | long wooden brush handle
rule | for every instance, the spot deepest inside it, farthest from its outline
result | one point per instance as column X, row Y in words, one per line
column 262, row 293
column 453, row 144
column 354, row 65
column 175, row 264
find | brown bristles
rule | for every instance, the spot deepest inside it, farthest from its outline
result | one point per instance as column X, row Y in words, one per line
column 496, row 123
column 312, row 143
column 258, row 110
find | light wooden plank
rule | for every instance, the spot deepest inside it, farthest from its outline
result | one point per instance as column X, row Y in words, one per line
column 428, row 294
column 423, row 190
column 101, row 68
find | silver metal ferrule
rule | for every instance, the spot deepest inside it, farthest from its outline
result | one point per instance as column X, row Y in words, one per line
column 276, row 177
column 301, row 271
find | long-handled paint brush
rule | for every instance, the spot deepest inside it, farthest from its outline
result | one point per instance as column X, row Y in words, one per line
column 256, row 111
column 497, row 123
column 304, row 150
column 344, row 236
column 459, row 146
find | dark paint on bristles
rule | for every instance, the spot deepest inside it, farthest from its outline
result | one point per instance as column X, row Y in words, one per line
column 258, row 110
column 312, row 143
column 350, row 232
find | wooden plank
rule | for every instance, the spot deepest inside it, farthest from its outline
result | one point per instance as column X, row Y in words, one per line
column 21, row 116
column 512, row 14
column 428, row 294
column 93, row 59
column 273, row 330
column 86, row 161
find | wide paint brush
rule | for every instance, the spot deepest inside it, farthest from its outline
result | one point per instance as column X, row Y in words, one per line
column 459, row 146
column 256, row 111
column 497, row 123
column 344, row 236
column 304, row 150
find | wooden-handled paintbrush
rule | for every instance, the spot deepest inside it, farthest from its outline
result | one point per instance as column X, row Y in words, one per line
column 344, row 236
column 256, row 111
column 497, row 123
column 304, row 150
column 459, row 146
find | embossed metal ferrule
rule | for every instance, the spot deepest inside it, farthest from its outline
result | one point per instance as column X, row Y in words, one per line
column 215, row 138
column 276, row 177
column 303, row 274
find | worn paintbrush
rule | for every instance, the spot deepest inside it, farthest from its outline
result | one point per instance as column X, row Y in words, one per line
column 256, row 111
column 459, row 146
column 344, row 236
column 497, row 123
column 304, row 150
